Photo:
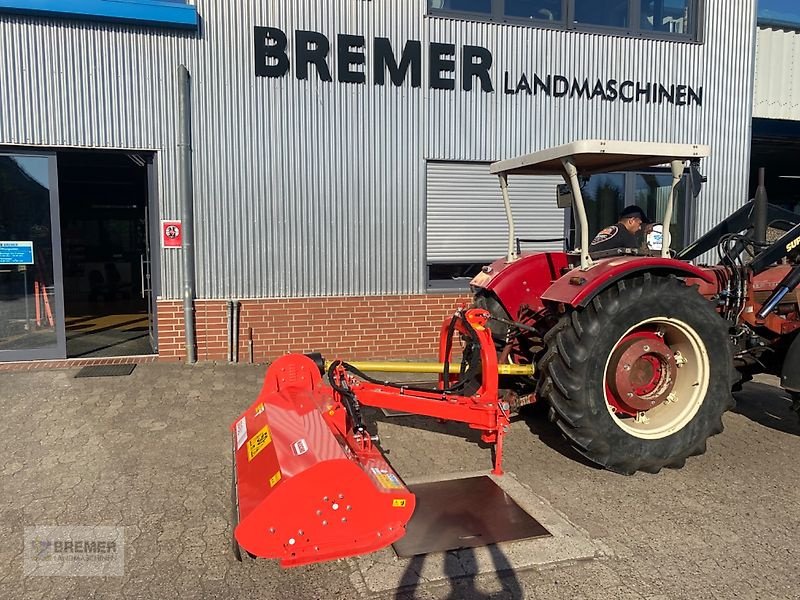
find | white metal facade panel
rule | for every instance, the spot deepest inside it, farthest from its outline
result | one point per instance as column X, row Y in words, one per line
column 777, row 74
column 465, row 217
column 305, row 187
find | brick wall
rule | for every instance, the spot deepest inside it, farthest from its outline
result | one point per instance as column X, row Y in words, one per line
column 363, row 327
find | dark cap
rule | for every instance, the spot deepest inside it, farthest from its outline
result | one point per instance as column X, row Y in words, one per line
column 634, row 211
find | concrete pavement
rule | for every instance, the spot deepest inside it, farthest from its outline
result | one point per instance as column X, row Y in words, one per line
column 150, row 453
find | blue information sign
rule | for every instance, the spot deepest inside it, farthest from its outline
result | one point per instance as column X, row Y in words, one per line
column 16, row 253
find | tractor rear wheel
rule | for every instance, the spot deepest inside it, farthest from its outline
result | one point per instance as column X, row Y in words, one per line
column 640, row 378
column 796, row 403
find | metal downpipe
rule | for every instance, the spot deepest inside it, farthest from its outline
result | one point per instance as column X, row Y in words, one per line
column 187, row 211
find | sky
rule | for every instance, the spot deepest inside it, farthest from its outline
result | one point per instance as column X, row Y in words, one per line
column 779, row 10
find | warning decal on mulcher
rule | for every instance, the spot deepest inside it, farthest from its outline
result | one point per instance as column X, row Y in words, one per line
column 241, row 432
column 258, row 442
column 274, row 479
column 300, row 447
column 399, row 503
column 386, row 479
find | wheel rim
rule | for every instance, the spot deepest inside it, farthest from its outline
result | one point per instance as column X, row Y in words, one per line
column 656, row 378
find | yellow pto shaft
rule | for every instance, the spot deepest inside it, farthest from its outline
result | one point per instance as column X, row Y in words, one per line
column 430, row 367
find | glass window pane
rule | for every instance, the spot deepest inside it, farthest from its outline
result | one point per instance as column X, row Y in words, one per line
column 543, row 10
column 27, row 292
column 603, row 197
column 651, row 193
column 778, row 12
column 668, row 16
column 476, row 6
column 608, row 13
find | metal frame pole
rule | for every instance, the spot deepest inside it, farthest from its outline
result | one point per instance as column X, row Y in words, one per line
column 187, row 212
column 677, row 174
column 571, row 177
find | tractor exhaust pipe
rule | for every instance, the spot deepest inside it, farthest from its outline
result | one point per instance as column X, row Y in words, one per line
column 760, row 210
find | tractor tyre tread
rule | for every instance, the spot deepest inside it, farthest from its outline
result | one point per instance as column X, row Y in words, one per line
column 574, row 355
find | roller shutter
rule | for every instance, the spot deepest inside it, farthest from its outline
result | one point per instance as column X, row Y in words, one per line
column 466, row 221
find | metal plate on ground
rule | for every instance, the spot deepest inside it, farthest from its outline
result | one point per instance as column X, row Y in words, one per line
column 106, row 371
column 464, row 513
column 392, row 413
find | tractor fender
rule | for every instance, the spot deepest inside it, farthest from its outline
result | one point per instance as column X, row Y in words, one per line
column 578, row 287
column 790, row 371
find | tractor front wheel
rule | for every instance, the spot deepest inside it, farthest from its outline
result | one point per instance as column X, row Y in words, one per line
column 639, row 379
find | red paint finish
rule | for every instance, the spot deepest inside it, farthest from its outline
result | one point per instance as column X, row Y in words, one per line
column 306, row 497
column 641, row 372
column 577, row 287
column 310, row 487
column 759, row 289
column 522, row 282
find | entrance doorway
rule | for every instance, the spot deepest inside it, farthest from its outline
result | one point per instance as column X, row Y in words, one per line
column 775, row 147
column 105, row 251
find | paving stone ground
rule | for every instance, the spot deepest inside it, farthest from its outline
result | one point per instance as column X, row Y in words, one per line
column 150, row 453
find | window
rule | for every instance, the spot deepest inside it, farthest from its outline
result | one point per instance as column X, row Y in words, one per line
column 782, row 13
column 666, row 16
column 541, row 10
column 605, row 195
column 612, row 13
column 166, row 13
column 670, row 19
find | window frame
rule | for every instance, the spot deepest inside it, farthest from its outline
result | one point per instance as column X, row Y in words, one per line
column 157, row 13
column 696, row 10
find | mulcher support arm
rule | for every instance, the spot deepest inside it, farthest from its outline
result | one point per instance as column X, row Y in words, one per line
column 483, row 410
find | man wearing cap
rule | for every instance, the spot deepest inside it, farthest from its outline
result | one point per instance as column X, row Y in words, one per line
column 623, row 233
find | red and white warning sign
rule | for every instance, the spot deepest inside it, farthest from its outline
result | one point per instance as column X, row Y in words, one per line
column 171, row 234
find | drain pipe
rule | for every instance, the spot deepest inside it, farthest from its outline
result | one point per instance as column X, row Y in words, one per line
column 230, row 331
column 187, row 212
column 236, row 331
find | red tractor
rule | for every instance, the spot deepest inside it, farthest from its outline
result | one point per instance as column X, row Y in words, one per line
column 635, row 351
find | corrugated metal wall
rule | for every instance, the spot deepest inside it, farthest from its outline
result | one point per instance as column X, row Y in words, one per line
column 311, row 188
column 465, row 216
column 777, row 74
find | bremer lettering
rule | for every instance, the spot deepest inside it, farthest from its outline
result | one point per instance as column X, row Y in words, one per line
column 448, row 68
column 312, row 50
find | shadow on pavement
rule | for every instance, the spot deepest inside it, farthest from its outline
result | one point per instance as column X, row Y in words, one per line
column 432, row 424
column 767, row 405
column 463, row 587
column 535, row 418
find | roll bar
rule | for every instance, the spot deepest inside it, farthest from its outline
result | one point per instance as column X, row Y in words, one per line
column 595, row 156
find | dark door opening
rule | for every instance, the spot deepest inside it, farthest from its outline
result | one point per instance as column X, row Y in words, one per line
column 776, row 148
column 104, row 225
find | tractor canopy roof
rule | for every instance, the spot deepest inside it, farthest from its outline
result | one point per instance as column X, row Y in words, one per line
column 599, row 156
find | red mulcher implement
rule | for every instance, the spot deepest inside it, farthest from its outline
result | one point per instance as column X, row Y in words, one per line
column 311, row 483
column 635, row 351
